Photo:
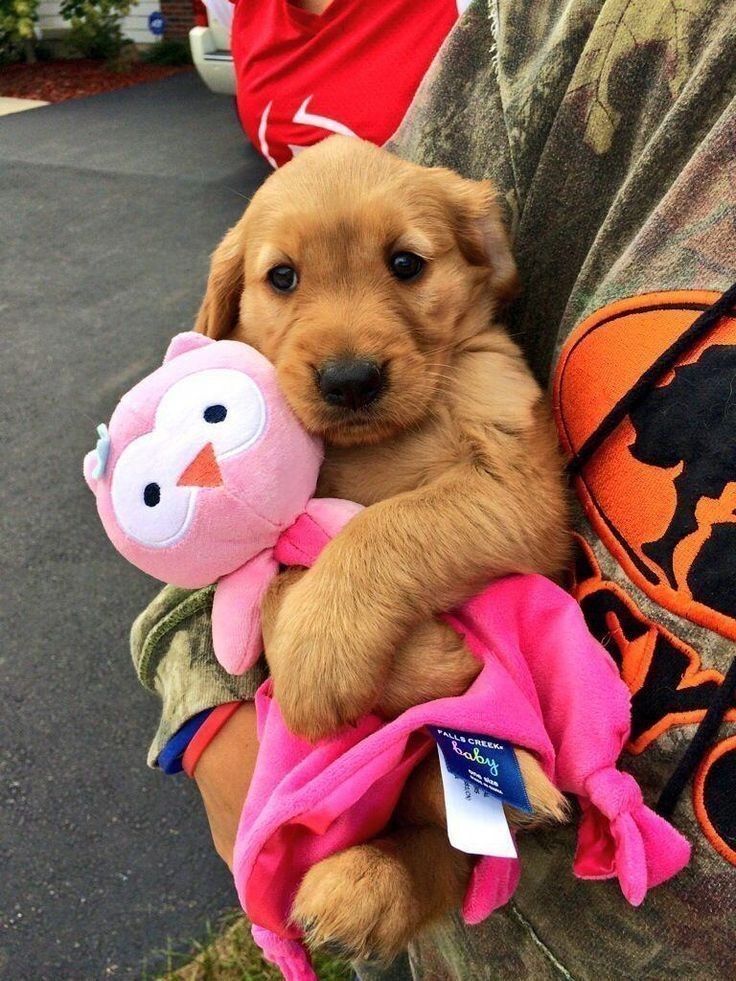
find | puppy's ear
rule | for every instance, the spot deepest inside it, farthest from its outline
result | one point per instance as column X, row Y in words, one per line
column 218, row 314
column 480, row 231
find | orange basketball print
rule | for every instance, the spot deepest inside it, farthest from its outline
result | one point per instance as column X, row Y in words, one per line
column 661, row 489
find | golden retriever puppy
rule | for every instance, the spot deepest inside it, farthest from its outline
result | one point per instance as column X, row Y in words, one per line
column 373, row 285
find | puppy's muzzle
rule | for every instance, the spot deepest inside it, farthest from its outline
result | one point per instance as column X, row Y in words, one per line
column 350, row 383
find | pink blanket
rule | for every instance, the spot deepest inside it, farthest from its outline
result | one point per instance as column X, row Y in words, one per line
column 545, row 684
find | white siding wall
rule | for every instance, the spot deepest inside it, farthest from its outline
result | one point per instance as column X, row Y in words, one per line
column 135, row 24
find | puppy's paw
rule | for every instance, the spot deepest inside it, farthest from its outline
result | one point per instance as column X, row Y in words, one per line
column 324, row 675
column 549, row 804
column 359, row 902
column 314, row 713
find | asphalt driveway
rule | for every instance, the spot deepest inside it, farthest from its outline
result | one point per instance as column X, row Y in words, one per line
column 109, row 207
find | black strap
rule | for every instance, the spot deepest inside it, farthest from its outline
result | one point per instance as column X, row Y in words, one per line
column 664, row 363
column 704, row 735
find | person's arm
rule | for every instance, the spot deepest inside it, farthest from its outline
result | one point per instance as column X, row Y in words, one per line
column 223, row 773
column 171, row 645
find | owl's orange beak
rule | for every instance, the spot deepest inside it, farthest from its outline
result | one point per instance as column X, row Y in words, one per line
column 203, row 471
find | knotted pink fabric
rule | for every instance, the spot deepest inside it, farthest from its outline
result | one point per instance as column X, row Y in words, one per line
column 545, row 684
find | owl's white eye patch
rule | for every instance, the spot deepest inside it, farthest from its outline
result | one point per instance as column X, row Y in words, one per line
column 219, row 406
column 148, row 504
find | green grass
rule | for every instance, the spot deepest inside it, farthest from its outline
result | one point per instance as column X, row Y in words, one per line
column 229, row 954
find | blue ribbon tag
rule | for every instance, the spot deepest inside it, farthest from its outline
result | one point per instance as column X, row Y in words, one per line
column 483, row 761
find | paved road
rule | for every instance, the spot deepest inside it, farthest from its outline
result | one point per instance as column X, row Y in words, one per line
column 109, row 207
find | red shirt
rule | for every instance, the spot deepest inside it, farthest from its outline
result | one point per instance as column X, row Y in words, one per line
column 353, row 69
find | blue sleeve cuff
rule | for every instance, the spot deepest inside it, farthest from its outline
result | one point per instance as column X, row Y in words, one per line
column 169, row 759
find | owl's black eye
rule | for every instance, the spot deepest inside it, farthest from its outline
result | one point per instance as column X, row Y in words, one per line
column 406, row 265
column 283, row 278
column 215, row 413
column 151, row 495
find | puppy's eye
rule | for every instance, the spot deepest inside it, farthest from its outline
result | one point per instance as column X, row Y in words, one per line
column 406, row 265
column 283, row 278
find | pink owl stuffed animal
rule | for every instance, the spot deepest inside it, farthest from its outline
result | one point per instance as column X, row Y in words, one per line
column 201, row 470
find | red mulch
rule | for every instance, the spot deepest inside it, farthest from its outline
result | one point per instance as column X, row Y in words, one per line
column 55, row 81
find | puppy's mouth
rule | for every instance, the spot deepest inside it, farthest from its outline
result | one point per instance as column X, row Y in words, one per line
column 361, row 427
column 351, row 401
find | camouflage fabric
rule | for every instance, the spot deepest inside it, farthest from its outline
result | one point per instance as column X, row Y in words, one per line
column 610, row 130
column 171, row 643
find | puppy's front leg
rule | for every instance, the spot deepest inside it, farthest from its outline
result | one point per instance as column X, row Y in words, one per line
column 320, row 692
column 398, row 562
column 288, row 677
column 275, row 595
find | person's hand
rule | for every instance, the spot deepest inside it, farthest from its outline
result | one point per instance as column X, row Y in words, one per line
column 223, row 775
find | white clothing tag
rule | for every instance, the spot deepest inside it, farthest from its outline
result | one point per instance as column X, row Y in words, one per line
column 476, row 822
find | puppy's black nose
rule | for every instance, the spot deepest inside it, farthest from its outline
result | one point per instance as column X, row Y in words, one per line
column 351, row 382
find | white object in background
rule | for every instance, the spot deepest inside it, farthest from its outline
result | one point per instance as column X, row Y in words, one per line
column 222, row 10
column 9, row 105
column 476, row 822
column 211, row 48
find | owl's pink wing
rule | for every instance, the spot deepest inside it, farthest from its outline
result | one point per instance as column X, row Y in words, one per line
column 322, row 519
column 236, row 613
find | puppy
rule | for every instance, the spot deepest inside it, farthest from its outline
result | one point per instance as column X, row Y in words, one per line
column 373, row 286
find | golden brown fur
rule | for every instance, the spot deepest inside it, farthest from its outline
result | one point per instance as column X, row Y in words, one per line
column 457, row 459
